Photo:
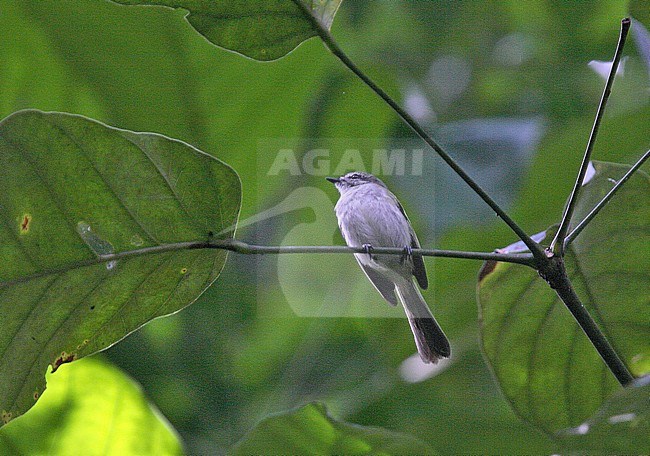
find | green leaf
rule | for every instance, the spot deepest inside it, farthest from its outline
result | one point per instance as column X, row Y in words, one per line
column 545, row 365
column 639, row 10
column 621, row 425
column 90, row 407
column 73, row 190
column 310, row 430
column 262, row 29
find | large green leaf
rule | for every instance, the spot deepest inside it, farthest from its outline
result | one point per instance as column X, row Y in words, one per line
column 621, row 425
column 72, row 191
column 90, row 407
column 310, row 430
column 545, row 365
column 260, row 29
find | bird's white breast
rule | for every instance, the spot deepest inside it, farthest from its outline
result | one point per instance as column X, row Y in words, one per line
column 369, row 214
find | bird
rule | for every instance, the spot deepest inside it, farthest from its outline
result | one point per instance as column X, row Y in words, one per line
column 370, row 215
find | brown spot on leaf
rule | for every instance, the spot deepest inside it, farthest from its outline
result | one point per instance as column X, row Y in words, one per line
column 24, row 223
column 36, row 395
column 6, row 416
column 183, row 270
column 82, row 344
column 64, row 358
column 487, row 268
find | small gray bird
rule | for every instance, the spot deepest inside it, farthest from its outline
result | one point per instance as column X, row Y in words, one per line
column 370, row 215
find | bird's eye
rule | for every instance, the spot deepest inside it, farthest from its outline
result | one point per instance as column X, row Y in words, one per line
column 355, row 176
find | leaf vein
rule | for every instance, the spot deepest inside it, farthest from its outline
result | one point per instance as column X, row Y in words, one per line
column 108, row 186
column 35, row 305
column 47, row 187
column 40, row 355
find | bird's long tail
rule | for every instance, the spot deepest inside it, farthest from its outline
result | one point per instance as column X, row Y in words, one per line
column 430, row 340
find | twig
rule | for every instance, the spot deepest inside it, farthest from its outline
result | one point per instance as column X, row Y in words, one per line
column 557, row 278
column 581, row 226
column 234, row 245
column 242, row 247
column 558, row 244
column 330, row 43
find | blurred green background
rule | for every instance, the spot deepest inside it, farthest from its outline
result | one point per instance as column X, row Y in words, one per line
column 505, row 85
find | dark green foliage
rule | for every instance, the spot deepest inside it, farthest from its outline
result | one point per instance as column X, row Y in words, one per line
column 310, row 430
column 74, row 190
column 545, row 365
column 241, row 352
column 260, row 29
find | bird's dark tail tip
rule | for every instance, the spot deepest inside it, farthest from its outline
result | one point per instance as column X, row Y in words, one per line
column 430, row 339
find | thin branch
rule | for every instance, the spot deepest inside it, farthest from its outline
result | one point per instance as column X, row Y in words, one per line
column 234, row 245
column 581, row 226
column 242, row 247
column 558, row 244
column 560, row 282
column 334, row 48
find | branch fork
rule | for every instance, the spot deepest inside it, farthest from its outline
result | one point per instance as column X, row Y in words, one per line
column 548, row 262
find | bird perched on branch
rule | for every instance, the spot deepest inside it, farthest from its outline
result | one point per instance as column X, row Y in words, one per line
column 370, row 215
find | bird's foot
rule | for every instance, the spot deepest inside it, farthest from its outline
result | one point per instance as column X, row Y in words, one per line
column 407, row 254
column 367, row 249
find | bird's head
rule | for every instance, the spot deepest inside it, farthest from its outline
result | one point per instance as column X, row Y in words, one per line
column 354, row 179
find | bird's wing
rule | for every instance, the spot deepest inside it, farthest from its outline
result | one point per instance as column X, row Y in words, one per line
column 384, row 286
column 419, row 271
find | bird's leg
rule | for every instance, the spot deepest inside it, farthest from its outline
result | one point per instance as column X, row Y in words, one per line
column 408, row 253
column 367, row 248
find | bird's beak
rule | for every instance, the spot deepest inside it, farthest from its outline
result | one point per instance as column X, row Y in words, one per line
column 334, row 180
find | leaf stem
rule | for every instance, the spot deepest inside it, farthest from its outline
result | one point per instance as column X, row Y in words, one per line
column 558, row 279
column 330, row 43
column 581, row 226
column 558, row 244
